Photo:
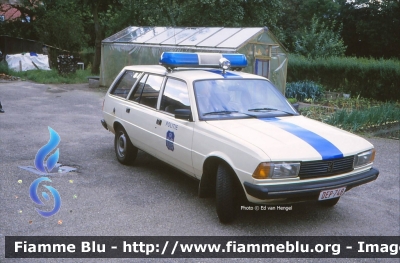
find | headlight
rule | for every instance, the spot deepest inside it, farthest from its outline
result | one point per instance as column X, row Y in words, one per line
column 364, row 158
column 277, row 170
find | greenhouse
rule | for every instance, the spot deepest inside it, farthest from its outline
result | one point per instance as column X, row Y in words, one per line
column 144, row 46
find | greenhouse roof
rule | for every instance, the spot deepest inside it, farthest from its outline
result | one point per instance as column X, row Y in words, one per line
column 215, row 37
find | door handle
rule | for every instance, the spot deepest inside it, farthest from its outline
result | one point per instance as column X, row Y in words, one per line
column 128, row 110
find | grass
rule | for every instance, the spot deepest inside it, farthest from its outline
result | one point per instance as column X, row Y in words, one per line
column 52, row 76
column 49, row 76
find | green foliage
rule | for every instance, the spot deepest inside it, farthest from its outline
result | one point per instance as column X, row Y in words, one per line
column 63, row 30
column 302, row 90
column 357, row 115
column 55, row 22
column 195, row 13
column 52, row 76
column 356, row 120
column 370, row 78
column 4, row 68
column 296, row 16
column 319, row 41
column 371, row 27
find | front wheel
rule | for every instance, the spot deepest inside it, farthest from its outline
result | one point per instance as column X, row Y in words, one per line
column 125, row 151
column 225, row 194
column 329, row 203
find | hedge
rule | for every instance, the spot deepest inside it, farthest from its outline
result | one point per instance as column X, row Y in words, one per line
column 369, row 78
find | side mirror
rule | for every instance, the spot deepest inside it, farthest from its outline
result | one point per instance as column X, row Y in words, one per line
column 183, row 114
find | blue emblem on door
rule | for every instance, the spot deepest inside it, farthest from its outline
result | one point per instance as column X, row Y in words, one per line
column 170, row 140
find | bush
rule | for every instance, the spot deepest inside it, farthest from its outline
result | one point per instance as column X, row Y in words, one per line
column 4, row 67
column 302, row 90
column 370, row 78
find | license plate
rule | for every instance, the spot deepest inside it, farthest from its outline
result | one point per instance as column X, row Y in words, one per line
column 333, row 193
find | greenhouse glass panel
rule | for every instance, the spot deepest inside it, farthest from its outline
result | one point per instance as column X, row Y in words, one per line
column 132, row 35
column 165, row 35
column 216, row 39
column 199, row 36
column 149, row 34
column 120, row 34
column 237, row 39
column 181, row 36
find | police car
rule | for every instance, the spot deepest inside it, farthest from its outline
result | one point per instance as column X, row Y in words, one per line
column 233, row 131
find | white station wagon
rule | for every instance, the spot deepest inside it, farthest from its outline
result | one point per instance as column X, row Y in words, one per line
column 233, row 131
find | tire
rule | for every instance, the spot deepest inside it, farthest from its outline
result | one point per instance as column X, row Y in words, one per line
column 124, row 150
column 225, row 194
column 329, row 203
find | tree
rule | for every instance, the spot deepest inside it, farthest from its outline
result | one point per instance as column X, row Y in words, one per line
column 297, row 15
column 61, row 25
column 230, row 13
column 20, row 27
column 319, row 41
column 49, row 21
column 371, row 27
column 97, row 10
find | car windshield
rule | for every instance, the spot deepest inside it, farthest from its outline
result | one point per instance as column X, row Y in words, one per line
column 239, row 98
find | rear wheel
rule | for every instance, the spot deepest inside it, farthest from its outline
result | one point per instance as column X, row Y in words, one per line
column 125, row 151
column 329, row 203
column 225, row 194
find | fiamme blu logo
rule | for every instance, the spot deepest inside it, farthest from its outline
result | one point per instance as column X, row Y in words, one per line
column 45, row 160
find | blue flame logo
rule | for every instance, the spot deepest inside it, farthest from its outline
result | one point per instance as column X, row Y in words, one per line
column 40, row 166
column 35, row 198
column 47, row 149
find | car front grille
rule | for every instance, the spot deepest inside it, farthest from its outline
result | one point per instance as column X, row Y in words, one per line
column 326, row 167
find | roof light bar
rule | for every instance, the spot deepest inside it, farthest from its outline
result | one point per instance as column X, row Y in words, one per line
column 204, row 60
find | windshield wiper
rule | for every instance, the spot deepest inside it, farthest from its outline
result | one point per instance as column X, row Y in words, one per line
column 270, row 109
column 219, row 112
column 261, row 109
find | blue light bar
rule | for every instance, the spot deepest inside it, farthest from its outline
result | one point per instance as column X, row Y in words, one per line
column 201, row 60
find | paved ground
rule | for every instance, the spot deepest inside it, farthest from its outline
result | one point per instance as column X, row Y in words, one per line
column 150, row 198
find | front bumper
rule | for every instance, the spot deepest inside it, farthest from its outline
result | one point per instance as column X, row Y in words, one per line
column 308, row 190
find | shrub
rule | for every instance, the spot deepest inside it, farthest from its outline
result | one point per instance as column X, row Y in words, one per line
column 4, row 68
column 302, row 90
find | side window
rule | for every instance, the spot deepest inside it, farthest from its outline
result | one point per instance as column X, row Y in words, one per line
column 147, row 90
column 175, row 96
column 125, row 84
column 135, row 96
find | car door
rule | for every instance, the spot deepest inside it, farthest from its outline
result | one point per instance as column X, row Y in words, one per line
column 174, row 136
column 116, row 105
column 142, row 112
